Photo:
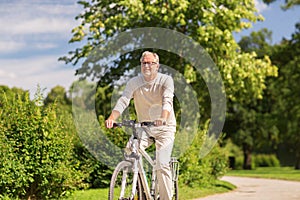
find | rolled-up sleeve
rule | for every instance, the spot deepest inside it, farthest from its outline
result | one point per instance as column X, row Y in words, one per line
column 168, row 94
column 122, row 104
column 124, row 100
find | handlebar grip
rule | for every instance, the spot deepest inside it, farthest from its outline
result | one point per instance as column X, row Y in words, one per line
column 131, row 123
column 147, row 123
column 151, row 123
column 117, row 125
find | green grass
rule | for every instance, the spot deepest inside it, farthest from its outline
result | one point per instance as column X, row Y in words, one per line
column 283, row 173
column 91, row 194
column 185, row 193
column 188, row 193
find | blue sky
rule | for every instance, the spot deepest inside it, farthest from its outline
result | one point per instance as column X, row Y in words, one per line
column 35, row 33
column 281, row 23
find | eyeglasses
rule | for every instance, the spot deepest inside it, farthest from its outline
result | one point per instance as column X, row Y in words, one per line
column 149, row 63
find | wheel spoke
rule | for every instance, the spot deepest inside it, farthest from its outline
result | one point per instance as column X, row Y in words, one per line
column 121, row 183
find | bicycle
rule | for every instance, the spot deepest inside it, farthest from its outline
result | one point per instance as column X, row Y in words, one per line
column 129, row 180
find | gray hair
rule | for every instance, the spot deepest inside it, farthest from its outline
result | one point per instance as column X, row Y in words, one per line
column 150, row 53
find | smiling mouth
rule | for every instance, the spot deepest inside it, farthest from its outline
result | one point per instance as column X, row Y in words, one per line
column 147, row 73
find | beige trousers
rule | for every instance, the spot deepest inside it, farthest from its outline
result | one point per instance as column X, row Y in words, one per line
column 164, row 141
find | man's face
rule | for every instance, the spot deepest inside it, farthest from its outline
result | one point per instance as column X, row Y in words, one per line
column 149, row 67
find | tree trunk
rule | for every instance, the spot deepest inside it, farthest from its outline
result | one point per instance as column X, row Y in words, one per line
column 297, row 164
column 247, row 157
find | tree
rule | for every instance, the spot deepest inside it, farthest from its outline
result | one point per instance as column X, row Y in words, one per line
column 286, row 89
column 278, row 124
column 209, row 23
column 259, row 42
column 253, row 127
column 251, row 124
column 57, row 95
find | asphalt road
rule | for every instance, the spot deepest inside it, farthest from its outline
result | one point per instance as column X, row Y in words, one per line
column 259, row 189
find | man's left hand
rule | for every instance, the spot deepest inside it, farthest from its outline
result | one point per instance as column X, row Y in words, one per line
column 160, row 122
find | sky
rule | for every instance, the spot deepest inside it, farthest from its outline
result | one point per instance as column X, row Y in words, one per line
column 35, row 33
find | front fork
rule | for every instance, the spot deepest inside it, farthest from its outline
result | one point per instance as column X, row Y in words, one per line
column 154, row 188
column 135, row 167
column 135, row 178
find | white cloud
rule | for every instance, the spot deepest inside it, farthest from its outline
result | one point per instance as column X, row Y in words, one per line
column 27, row 73
column 28, row 23
column 8, row 46
column 34, row 34
column 42, row 25
column 45, row 45
column 260, row 6
column 5, row 74
column 32, row 18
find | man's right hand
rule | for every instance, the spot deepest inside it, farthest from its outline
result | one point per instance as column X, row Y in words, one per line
column 109, row 123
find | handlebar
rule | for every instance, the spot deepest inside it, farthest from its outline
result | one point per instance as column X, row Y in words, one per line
column 134, row 124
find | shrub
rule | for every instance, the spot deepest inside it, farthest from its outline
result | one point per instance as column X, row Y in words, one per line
column 195, row 170
column 97, row 174
column 266, row 160
column 36, row 152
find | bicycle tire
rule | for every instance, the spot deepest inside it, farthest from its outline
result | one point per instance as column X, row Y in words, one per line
column 114, row 189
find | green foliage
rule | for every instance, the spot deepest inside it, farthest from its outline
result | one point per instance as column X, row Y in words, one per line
column 259, row 160
column 36, row 152
column 282, row 173
column 290, row 3
column 209, row 23
column 195, row 170
column 252, row 127
column 231, row 148
column 286, row 90
column 58, row 96
column 250, row 124
column 239, row 161
column 266, row 160
column 95, row 174
column 259, row 42
column 10, row 94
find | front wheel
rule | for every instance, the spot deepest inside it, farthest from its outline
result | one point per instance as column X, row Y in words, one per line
column 121, row 183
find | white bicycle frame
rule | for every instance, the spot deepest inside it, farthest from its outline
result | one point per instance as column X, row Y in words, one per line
column 139, row 168
column 136, row 158
column 149, row 192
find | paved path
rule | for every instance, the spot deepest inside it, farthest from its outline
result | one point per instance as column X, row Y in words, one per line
column 259, row 189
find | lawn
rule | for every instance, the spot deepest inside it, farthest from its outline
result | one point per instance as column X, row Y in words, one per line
column 284, row 173
column 185, row 193
column 91, row 194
